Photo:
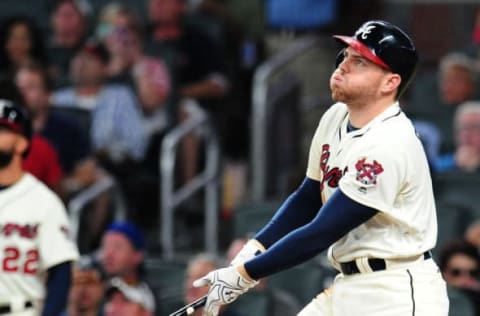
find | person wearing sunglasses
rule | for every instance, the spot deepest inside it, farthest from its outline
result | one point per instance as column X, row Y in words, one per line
column 460, row 266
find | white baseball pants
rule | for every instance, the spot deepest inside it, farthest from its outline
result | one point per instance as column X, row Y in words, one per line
column 416, row 290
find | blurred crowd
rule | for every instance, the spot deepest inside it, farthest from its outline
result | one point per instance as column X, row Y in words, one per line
column 105, row 87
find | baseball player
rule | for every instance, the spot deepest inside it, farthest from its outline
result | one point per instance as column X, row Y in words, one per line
column 367, row 197
column 35, row 249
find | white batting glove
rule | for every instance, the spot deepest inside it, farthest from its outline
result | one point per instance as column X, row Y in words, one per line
column 251, row 249
column 226, row 285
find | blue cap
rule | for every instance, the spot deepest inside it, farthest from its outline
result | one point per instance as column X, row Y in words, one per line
column 131, row 231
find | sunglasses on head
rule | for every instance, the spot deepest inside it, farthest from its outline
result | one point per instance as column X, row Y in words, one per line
column 458, row 272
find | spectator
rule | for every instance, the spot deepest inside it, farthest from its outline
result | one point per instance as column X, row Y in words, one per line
column 65, row 134
column 195, row 61
column 466, row 156
column 123, row 299
column 437, row 95
column 69, row 28
column 121, row 31
column 41, row 160
column 152, row 83
column 457, row 85
column 86, row 293
column 460, row 264
column 197, row 267
column 117, row 134
column 122, row 253
column 457, row 78
column 20, row 43
column 472, row 234
column 242, row 42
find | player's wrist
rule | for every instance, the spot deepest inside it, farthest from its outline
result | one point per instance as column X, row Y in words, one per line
column 257, row 244
column 244, row 274
column 251, row 249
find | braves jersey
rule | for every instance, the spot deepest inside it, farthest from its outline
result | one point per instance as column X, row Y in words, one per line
column 33, row 238
column 383, row 166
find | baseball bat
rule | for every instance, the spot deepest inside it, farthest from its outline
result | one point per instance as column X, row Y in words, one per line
column 190, row 308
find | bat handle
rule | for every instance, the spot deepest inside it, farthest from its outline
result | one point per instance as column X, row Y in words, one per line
column 190, row 308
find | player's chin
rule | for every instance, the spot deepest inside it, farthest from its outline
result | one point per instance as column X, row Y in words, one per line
column 337, row 95
column 336, row 90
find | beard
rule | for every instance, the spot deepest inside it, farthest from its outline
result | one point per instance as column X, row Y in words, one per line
column 360, row 95
column 337, row 95
column 5, row 158
column 340, row 95
column 338, row 91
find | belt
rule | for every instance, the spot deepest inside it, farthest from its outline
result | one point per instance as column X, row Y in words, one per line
column 7, row 309
column 375, row 264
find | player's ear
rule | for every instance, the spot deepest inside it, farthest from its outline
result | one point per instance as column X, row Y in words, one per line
column 21, row 145
column 391, row 83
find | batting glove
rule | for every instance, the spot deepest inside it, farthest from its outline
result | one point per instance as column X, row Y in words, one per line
column 251, row 249
column 226, row 285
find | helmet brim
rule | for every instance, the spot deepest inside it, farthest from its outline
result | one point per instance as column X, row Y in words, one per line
column 11, row 126
column 362, row 49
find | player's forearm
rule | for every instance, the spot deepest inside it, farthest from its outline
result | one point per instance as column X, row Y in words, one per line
column 58, row 286
column 297, row 210
column 338, row 216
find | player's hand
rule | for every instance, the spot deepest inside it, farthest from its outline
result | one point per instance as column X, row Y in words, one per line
column 226, row 285
column 251, row 249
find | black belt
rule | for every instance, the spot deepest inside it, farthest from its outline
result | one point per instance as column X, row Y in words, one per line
column 7, row 309
column 375, row 264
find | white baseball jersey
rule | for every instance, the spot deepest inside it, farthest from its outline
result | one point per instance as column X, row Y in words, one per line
column 382, row 165
column 33, row 238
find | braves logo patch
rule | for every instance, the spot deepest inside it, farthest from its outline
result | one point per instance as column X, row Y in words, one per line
column 364, row 31
column 367, row 173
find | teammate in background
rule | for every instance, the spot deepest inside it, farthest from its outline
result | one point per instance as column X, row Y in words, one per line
column 36, row 251
column 367, row 196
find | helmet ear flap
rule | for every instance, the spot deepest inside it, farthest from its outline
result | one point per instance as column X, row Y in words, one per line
column 340, row 57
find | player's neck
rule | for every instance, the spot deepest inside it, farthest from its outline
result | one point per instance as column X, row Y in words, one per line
column 360, row 114
column 11, row 174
